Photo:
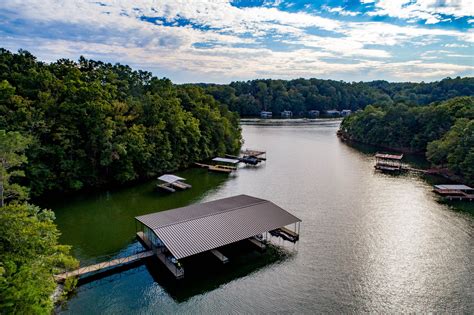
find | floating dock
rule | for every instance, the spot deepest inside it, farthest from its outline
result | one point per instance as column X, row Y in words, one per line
column 226, row 165
column 388, row 162
column 455, row 192
column 254, row 153
column 179, row 233
column 214, row 168
column 187, row 231
column 172, row 182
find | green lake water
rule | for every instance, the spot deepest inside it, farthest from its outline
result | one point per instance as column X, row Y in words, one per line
column 369, row 242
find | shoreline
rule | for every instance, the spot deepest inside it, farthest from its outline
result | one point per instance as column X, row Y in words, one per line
column 437, row 171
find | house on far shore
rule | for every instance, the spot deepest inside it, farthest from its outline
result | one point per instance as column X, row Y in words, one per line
column 286, row 114
column 313, row 113
column 265, row 114
column 333, row 113
column 345, row 112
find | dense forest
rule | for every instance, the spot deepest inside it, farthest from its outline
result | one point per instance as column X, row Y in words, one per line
column 94, row 123
column 444, row 131
column 29, row 249
column 71, row 125
column 301, row 95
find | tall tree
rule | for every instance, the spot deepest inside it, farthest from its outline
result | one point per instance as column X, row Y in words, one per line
column 12, row 148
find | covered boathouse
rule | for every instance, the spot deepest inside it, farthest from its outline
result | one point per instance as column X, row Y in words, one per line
column 204, row 227
column 388, row 162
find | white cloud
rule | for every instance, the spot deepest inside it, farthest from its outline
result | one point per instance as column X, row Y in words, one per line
column 219, row 41
column 428, row 10
column 340, row 11
column 421, row 70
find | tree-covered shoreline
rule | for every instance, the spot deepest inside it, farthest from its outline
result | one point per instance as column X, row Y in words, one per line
column 69, row 126
column 29, row 250
column 443, row 132
column 95, row 124
column 302, row 95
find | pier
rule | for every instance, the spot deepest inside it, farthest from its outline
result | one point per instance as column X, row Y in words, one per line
column 254, row 153
column 215, row 168
column 179, row 233
column 172, row 182
column 455, row 192
column 103, row 266
column 388, row 162
column 183, row 232
column 223, row 165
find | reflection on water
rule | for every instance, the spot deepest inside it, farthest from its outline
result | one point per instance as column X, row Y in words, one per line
column 370, row 242
column 204, row 272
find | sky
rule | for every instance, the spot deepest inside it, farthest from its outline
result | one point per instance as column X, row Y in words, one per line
column 220, row 41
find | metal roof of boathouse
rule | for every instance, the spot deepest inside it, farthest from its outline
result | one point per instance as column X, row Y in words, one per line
column 389, row 156
column 453, row 187
column 201, row 227
column 168, row 178
column 225, row 160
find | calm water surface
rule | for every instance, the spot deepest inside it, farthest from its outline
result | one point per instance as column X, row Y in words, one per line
column 369, row 242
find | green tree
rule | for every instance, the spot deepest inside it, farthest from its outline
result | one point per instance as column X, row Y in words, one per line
column 443, row 131
column 12, row 148
column 29, row 256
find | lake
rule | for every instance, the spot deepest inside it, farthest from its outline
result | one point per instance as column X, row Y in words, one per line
column 369, row 242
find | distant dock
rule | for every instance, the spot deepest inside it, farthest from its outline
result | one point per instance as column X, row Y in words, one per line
column 455, row 192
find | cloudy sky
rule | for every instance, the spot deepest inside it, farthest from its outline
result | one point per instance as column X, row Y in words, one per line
column 224, row 40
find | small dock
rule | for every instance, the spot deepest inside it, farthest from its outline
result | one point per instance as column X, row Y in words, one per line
column 183, row 232
column 172, row 182
column 455, row 192
column 227, row 169
column 260, row 155
column 388, row 162
column 214, row 168
column 102, row 266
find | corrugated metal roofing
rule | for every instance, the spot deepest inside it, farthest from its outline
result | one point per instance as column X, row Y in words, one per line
column 201, row 227
column 454, row 187
column 389, row 156
column 170, row 178
column 225, row 160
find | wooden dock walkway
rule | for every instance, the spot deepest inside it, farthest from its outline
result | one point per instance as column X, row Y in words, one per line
column 102, row 266
column 217, row 168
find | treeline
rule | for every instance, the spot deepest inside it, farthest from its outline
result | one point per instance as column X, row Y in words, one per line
column 443, row 131
column 302, row 95
column 94, row 123
column 29, row 249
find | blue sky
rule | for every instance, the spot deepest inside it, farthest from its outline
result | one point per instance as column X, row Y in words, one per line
column 223, row 40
